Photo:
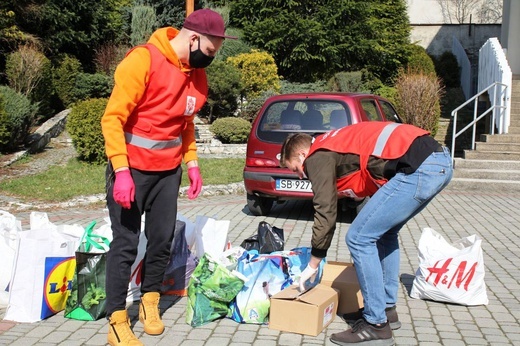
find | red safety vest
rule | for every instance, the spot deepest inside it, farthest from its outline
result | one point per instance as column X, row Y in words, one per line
column 380, row 139
column 153, row 130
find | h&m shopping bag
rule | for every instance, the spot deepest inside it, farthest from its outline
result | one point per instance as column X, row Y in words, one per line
column 87, row 299
column 10, row 226
column 42, row 274
column 451, row 273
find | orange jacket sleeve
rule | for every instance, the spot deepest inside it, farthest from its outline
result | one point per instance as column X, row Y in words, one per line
column 131, row 77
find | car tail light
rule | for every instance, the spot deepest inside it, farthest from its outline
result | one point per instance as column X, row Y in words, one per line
column 258, row 162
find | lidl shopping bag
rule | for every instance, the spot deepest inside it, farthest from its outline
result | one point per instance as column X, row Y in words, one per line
column 87, row 301
column 10, row 226
column 181, row 265
column 212, row 287
column 266, row 275
column 42, row 274
column 451, row 273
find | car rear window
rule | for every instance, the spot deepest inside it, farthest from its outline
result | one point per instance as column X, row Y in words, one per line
column 313, row 117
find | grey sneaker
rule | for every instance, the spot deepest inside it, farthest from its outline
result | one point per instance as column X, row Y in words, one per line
column 391, row 316
column 366, row 334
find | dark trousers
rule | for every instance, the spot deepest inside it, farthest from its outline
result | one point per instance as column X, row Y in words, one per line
column 156, row 196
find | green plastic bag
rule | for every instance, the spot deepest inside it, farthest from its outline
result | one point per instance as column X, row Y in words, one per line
column 212, row 287
column 87, row 299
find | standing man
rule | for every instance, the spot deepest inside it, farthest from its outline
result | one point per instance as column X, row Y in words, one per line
column 148, row 129
column 402, row 168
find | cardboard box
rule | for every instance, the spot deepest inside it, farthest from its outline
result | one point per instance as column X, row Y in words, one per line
column 308, row 313
column 342, row 276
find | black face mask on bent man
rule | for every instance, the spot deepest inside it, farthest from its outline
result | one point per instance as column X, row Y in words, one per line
column 198, row 59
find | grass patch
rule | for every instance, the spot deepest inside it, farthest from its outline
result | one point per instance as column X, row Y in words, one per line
column 61, row 183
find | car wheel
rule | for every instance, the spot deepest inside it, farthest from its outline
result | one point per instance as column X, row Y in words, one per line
column 259, row 206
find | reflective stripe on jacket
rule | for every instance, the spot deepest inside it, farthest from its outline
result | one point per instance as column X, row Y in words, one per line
column 380, row 139
column 153, row 130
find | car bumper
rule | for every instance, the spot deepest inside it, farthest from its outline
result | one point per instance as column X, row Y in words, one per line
column 264, row 184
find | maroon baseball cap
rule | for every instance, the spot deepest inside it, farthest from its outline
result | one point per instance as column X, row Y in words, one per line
column 207, row 22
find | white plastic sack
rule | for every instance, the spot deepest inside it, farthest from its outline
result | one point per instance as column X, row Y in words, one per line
column 211, row 236
column 451, row 273
column 9, row 228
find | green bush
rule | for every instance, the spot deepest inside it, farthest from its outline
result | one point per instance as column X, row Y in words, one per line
column 20, row 116
column 420, row 61
column 347, row 82
column 65, row 76
column 448, row 69
column 231, row 130
column 5, row 131
column 253, row 106
column 291, row 87
column 90, row 86
column 224, row 91
column 387, row 92
column 84, row 127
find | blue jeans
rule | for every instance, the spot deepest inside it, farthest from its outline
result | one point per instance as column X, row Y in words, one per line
column 372, row 237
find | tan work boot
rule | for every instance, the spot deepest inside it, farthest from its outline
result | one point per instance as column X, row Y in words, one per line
column 149, row 313
column 119, row 332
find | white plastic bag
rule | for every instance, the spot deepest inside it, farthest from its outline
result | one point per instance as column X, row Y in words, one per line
column 211, row 236
column 9, row 228
column 451, row 273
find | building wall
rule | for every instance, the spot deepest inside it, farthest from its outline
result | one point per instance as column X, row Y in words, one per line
column 509, row 39
column 437, row 39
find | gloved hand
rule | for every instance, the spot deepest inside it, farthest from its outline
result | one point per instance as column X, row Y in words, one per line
column 308, row 273
column 195, row 182
column 124, row 189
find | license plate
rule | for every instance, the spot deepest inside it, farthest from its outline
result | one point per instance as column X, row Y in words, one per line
column 296, row 185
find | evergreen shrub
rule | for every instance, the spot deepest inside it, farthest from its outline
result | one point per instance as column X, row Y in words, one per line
column 231, row 130
column 84, row 127
column 21, row 114
column 448, row 69
column 89, row 86
column 65, row 76
column 420, row 61
column 5, row 131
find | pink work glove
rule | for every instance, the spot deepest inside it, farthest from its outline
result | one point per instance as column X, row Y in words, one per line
column 195, row 182
column 124, row 189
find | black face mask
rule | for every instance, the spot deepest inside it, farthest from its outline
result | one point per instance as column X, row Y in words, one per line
column 198, row 59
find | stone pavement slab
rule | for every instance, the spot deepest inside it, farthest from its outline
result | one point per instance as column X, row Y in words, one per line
column 454, row 214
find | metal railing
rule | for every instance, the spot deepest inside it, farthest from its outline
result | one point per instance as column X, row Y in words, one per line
column 492, row 108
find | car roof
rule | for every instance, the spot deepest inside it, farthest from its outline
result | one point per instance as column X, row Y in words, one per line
column 321, row 95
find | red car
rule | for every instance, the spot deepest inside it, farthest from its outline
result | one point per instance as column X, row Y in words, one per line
column 315, row 113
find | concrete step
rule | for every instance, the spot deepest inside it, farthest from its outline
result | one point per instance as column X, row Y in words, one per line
column 514, row 130
column 512, row 147
column 484, row 185
column 487, row 173
column 502, row 138
column 460, row 163
column 491, row 155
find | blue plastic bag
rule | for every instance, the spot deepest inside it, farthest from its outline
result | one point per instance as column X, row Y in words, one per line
column 266, row 275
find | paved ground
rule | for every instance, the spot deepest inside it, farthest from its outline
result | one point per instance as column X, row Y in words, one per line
column 495, row 218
